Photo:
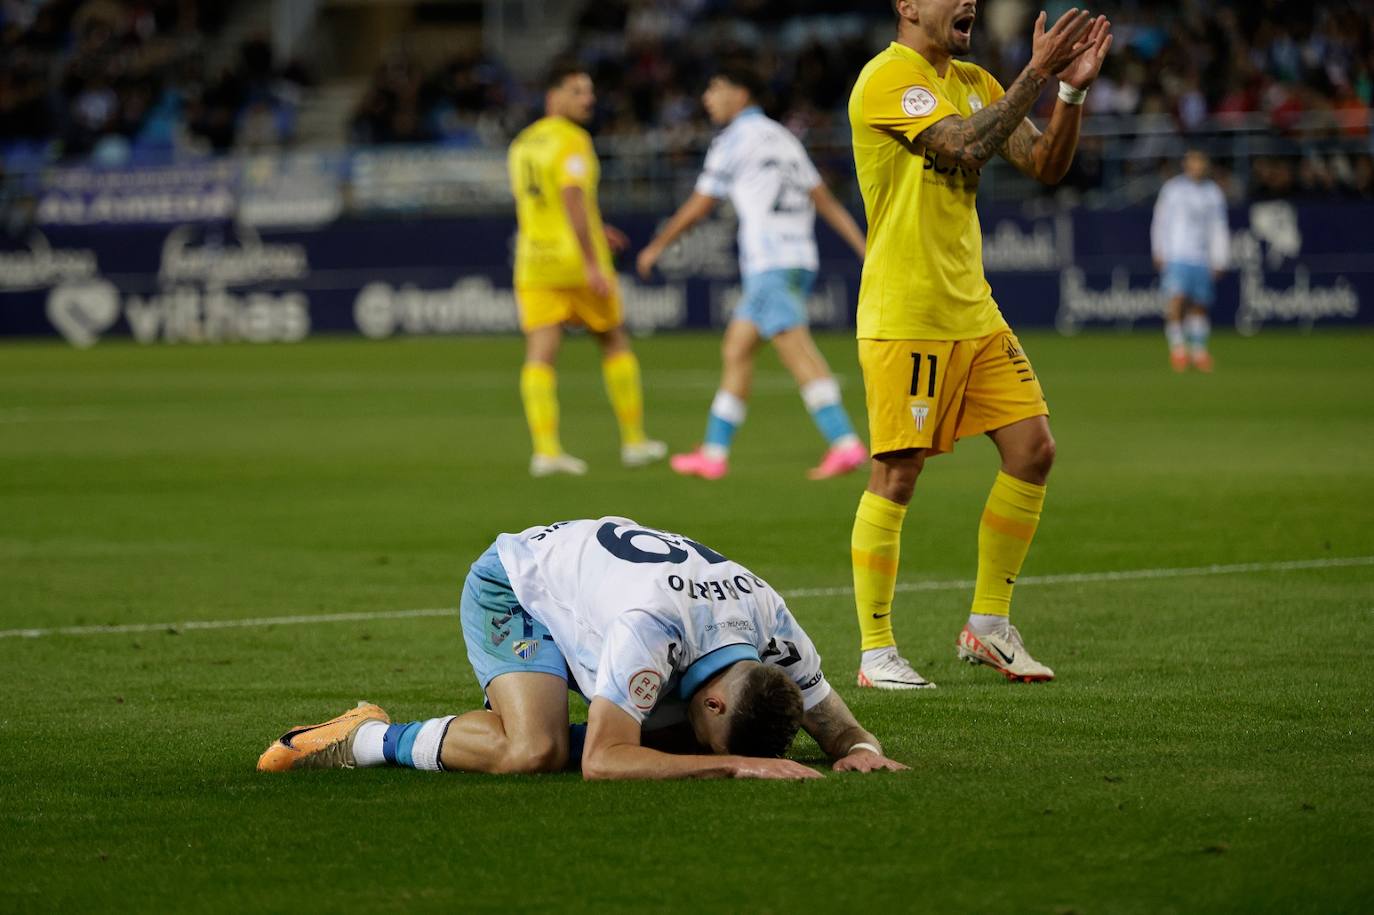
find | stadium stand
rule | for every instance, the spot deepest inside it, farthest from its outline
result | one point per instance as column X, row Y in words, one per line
column 1280, row 92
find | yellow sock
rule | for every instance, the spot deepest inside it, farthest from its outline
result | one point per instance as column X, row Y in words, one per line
column 1004, row 537
column 874, row 549
column 621, row 372
column 539, row 391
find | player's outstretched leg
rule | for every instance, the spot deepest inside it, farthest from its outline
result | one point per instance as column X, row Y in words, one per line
column 328, row 745
column 821, row 394
column 1197, row 327
column 1008, row 525
column 875, row 548
column 539, row 394
column 625, row 390
column 711, row 459
column 1174, row 333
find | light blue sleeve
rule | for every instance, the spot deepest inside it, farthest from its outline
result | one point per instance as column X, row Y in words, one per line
column 718, row 174
column 636, row 663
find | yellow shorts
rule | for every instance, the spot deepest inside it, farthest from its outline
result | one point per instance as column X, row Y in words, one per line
column 543, row 306
column 930, row 393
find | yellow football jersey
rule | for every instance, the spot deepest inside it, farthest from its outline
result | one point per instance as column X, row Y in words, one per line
column 923, row 276
column 551, row 154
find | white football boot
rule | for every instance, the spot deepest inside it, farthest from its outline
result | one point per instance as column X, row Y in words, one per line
column 546, row 465
column 1004, row 652
column 890, row 670
column 643, row 453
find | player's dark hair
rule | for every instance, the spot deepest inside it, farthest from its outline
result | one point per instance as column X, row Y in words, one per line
column 768, row 712
column 560, row 72
column 745, row 77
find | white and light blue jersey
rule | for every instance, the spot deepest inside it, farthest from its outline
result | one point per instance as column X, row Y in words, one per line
column 1190, row 224
column 644, row 617
column 763, row 169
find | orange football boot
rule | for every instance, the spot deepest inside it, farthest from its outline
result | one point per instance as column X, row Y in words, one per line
column 320, row 746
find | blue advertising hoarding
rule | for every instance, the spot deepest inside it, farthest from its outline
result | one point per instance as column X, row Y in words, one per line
column 220, row 281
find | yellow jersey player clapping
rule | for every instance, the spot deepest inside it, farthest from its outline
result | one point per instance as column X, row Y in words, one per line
column 939, row 361
column 564, row 274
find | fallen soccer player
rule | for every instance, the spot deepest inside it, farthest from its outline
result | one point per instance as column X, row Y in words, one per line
column 693, row 665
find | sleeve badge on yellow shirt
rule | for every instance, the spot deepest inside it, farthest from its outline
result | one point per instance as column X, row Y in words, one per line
column 918, row 101
column 975, row 104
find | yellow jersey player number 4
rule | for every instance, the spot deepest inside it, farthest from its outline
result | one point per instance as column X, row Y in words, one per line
column 564, row 274
column 939, row 361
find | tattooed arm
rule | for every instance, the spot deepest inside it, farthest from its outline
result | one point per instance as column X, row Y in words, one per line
column 1046, row 157
column 972, row 142
column 834, row 727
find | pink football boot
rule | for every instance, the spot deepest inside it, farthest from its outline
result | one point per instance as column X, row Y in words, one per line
column 840, row 460
column 697, row 464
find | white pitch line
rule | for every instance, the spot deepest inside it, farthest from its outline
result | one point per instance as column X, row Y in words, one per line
column 1072, row 578
column 949, row 585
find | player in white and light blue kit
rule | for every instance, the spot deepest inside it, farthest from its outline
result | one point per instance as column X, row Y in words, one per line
column 1191, row 242
column 776, row 192
column 693, row 665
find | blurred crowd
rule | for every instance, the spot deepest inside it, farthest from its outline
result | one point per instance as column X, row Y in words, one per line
column 107, row 78
column 102, row 76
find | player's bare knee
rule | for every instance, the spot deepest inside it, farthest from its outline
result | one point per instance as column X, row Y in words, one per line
column 736, row 352
column 894, row 475
column 534, row 756
column 1042, row 457
column 614, row 341
column 1034, row 462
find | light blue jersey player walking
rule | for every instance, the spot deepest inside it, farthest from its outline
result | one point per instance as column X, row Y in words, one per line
column 1191, row 241
column 776, row 192
column 693, row 665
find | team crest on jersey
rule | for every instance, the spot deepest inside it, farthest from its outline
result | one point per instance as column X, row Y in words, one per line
column 526, row 649
column 920, row 411
column 644, row 687
column 918, row 102
column 975, row 104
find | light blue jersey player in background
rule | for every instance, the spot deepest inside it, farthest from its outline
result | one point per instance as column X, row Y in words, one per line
column 1191, row 242
column 776, row 192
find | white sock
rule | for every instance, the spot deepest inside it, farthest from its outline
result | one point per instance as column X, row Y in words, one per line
column 873, row 655
column 429, row 744
column 983, row 623
column 1173, row 332
column 1197, row 329
column 367, row 744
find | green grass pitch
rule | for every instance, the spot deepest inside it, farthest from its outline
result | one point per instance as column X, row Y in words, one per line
column 1208, row 746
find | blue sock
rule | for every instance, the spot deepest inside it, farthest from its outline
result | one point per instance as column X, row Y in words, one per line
column 727, row 415
column 416, row 744
column 577, row 740
column 822, row 398
column 1198, row 329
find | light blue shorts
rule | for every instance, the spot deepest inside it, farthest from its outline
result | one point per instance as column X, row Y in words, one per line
column 501, row 636
column 775, row 300
column 1191, row 281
